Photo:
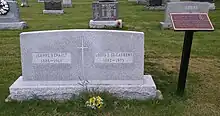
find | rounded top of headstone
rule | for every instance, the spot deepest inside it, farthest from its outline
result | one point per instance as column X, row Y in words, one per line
column 78, row 30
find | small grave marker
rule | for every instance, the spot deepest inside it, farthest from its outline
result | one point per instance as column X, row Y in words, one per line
column 188, row 22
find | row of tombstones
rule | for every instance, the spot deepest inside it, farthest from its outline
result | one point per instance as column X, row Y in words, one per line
column 161, row 4
column 105, row 13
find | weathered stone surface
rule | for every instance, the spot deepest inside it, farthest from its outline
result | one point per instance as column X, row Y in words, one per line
column 55, row 90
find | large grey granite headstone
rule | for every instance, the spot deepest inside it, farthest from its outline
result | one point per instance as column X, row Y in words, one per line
column 53, row 7
column 183, row 7
column 54, row 62
column 10, row 17
column 105, row 14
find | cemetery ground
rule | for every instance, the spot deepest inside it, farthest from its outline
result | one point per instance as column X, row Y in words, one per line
column 162, row 59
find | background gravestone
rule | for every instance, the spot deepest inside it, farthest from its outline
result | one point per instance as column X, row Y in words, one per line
column 40, row 0
column 109, row 60
column 183, row 7
column 211, row 3
column 67, row 3
column 10, row 16
column 24, row 3
column 105, row 14
column 105, row 10
column 53, row 7
column 157, row 4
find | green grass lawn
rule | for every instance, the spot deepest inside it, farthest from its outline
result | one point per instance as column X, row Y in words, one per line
column 162, row 59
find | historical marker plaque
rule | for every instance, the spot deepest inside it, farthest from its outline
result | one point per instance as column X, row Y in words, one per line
column 188, row 22
column 191, row 21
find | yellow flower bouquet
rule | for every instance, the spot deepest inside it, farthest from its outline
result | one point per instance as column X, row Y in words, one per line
column 95, row 102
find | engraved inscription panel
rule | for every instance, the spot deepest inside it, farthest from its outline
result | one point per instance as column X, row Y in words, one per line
column 191, row 7
column 51, row 65
column 105, row 11
column 120, row 57
column 108, row 11
column 53, row 58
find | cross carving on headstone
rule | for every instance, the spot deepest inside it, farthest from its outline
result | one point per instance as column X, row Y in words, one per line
column 82, row 47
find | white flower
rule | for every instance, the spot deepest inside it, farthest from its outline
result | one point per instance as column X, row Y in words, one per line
column 5, row 7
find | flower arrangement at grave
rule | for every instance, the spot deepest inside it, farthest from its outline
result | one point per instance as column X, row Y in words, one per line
column 4, row 7
column 95, row 102
column 118, row 24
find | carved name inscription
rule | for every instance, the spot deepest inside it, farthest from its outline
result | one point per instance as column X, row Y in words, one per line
column 51, row 58
column 191, row 7
column 114, row 57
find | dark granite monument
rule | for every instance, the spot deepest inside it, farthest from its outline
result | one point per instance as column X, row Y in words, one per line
column 105, row 10
column 53, row 6
column 155, row 2
column 105, row 14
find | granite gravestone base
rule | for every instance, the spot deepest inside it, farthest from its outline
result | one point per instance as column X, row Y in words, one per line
column 10, row 19
column 105, row 24
column 54, row 68
column 182, row 7
column 65, row 90
column 53, row 7
column 105, row 15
